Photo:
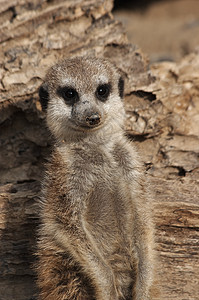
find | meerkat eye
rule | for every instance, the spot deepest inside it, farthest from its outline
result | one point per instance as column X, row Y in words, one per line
column 70, row 95
column 103, row 91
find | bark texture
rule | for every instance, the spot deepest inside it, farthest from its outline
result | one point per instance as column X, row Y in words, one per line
column 162, row 118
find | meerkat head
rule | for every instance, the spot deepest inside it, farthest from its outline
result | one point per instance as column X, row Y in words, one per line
column 82, row 95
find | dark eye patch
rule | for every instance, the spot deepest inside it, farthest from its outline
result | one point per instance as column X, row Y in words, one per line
column 69, row 94
column 44, row 96
column 121, row 87
column 103, row 91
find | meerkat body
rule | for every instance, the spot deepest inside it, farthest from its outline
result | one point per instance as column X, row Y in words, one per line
column 96, row 235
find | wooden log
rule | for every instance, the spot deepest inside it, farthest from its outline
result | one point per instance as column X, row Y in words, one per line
column 177, row 237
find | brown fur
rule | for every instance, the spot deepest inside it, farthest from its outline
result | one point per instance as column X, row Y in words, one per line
column 96, row 236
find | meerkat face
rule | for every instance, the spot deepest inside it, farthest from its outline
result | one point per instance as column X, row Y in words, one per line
column 82, row 95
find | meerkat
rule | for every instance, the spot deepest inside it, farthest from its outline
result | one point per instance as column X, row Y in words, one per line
column 96, row 234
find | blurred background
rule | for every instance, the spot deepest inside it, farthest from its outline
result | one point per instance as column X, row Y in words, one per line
column 163, row 29
column 162, row 105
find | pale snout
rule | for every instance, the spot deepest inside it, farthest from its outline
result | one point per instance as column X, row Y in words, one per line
column 87, row 115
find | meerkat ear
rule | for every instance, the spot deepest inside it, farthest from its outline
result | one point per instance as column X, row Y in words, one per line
column 121, row 87
column 44, row 96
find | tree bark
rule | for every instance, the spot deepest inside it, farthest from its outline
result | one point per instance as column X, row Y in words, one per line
column 162, row 118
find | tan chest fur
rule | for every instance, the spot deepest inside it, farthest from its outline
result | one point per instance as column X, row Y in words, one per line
column 99, row 216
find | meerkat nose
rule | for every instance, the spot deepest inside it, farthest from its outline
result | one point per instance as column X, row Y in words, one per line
column 93, row 119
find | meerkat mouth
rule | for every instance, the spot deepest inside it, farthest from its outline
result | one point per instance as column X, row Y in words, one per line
column 84, row 128
column 89, row 124
column 77, row 127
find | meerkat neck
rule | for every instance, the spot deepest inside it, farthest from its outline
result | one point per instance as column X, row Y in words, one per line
column 95, row 138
